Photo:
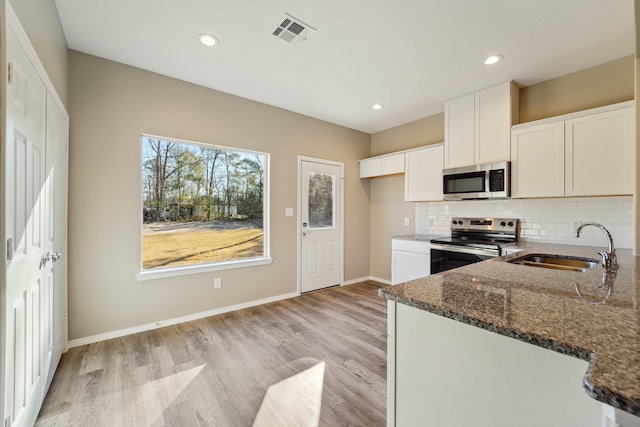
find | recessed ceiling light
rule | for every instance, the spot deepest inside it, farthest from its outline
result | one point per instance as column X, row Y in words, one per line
column 208, row 39
column 377, row 106
column 493, row 59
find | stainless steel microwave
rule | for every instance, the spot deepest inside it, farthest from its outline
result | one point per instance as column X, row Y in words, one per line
column 488, row 181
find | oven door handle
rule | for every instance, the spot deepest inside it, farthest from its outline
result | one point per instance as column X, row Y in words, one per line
column 466, row 250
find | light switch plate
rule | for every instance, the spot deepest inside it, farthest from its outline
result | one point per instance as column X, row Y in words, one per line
column 288, row 211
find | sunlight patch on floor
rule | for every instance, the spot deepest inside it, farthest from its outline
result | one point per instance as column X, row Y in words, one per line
column 294, row 401
column 152, row 398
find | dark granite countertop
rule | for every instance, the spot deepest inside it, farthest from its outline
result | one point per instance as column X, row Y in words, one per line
column 541, row 307
column 417, row 237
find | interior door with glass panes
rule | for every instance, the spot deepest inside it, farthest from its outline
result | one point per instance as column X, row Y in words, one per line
column 321, row 221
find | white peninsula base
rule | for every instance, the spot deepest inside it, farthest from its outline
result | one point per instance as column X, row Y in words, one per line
column 442, row 372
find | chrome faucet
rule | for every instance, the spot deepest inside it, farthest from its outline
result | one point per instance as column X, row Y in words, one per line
column 609, row 258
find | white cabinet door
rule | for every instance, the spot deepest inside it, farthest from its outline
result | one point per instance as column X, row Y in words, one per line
column 477, row 127
column 408, row 266
column 537, row 161
column 459, row 131
column 493, row 120
column 382, row 165
column 410, row 259
column 370, row 167
column 599, row 154
column 423, row 174
column 392, row 164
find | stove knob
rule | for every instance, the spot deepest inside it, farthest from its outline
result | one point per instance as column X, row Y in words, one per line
column 510, row 224
column 455, row 222
column 503, row 223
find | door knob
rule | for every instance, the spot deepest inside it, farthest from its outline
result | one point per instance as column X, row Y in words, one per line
column 45, row 259
column 53, row 257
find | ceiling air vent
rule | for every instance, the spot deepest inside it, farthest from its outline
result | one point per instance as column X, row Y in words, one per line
column 293, row 30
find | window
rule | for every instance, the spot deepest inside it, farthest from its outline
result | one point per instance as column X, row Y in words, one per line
column 321, row 189
column 202, row 206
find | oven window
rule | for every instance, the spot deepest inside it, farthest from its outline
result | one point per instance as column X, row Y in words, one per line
column 446, row 260
column 472, row 182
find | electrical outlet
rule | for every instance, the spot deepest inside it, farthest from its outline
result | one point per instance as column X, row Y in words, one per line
column 574, row 226
column 406, row 221
column 217, row 283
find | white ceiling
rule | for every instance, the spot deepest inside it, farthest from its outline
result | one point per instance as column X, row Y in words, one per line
column 410, row 55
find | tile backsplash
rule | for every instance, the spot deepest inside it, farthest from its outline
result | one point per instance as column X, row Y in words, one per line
column 541, row 220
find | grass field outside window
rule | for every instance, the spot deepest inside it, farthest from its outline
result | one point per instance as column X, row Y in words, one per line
column 201, row 204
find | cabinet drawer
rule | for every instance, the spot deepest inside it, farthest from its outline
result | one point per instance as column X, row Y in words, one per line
column 410, row 246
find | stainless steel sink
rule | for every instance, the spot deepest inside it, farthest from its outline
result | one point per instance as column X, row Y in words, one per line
column 556, row 262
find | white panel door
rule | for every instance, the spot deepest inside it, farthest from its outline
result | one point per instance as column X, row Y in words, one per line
column 56, row 232
column 26, row 292
column 321, row 219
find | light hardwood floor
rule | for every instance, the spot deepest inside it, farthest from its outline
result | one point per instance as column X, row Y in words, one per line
column 321, row 354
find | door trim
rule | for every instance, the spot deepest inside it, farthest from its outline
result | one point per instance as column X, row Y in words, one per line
column 299, row 217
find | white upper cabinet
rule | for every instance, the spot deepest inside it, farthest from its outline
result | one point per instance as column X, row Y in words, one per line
column 423, row 174
column 459, row 131
column 599, row 155
column 589, row 153
column 388, row 164
column 537, row 161
column 477, row 126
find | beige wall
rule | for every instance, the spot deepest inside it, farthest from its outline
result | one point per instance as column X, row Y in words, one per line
column 601, row 85
column 42, row 24
column 111, row 105
column 388, row 208
column 594, row 87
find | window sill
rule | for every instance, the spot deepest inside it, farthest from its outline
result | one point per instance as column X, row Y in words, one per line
column 196, row 269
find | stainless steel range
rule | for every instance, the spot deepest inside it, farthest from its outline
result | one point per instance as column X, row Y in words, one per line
column 472, row 240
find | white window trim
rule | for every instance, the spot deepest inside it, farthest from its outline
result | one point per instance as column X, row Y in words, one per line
column 151, row 274
column 196, row 269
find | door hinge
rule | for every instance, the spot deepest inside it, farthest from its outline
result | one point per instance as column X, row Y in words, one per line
column 9, row 249
column 9, row 72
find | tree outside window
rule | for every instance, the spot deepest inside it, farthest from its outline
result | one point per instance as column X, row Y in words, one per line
column 201, row 204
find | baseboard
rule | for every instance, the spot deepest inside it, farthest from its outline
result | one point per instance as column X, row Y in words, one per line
column 354, row 281
column 378, row 279
column 168, row 322
column 364, row 279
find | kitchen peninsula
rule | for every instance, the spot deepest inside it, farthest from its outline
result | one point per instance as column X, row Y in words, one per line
column 501, row 344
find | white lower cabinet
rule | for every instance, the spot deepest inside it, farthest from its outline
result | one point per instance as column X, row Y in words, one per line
column 410, row 259
column 423, row 174
column 446, row 373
